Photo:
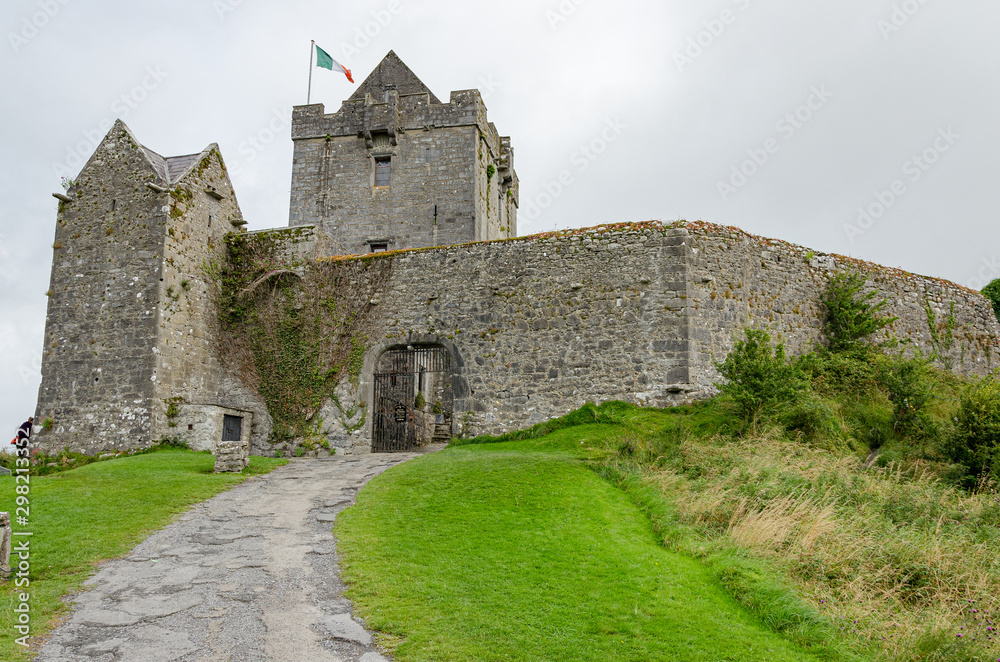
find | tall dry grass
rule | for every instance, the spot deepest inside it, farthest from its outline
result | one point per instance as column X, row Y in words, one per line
column 895, row 557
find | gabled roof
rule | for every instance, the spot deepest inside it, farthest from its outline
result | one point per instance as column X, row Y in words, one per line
column 172, row 168
column 168, row 169
column 391, row 73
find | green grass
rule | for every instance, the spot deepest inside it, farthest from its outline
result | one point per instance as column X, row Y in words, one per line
column 887, row 556
column 100, row 511
column 519, row 551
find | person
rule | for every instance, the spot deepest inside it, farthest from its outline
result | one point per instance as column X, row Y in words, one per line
column 24, row 432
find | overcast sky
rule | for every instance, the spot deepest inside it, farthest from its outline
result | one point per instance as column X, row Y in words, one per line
column 861, row 127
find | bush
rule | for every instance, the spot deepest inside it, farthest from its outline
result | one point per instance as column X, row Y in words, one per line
column 759, row 377
column 992, row 292
column 814, row 418
column 909, row 387
column 976, row 442
column 844, row 373
column 851, row 317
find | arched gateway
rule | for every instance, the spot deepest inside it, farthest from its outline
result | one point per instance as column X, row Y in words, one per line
column 412, row 397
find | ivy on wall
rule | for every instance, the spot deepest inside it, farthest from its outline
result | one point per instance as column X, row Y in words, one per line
column 293, row 329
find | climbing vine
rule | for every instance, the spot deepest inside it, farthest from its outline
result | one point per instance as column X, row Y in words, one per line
column 942, row 334
column 293, row 328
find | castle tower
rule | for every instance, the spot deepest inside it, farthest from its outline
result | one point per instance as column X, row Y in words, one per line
column 131, row 333
column 395, row 168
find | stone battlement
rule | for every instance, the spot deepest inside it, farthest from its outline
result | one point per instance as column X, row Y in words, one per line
column 395, row 168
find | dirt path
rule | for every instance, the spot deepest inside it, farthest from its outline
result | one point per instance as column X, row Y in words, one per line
column 248, row 575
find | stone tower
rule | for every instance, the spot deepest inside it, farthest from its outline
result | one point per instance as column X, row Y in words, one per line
column 130, row 337
column 395, row 168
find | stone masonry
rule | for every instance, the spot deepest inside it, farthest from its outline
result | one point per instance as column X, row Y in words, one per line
column 131, row 330
column 537, row 326
column 527, row 327
column 450, row 174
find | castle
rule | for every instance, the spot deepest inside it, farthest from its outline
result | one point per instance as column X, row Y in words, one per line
column 399, row 305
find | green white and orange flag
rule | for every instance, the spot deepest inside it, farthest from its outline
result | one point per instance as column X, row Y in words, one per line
column 326, row 61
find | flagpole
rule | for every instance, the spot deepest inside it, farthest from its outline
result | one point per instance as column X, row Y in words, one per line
column 312, row 48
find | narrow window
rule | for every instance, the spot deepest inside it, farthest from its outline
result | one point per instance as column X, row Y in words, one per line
column 113, row 204
column 209, row 221
column 382, row 169
column 379, row 247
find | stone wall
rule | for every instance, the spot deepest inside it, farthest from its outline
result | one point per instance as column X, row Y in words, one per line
column 739, row 280
column 537, row 326
column 202, row 210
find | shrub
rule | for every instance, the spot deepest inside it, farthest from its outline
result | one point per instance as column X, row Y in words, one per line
column 851, row 317
column 814, row 418
column 992, row 292
column 419, row 402
column 758, row 376
column 976, row 442
column 909, row 387
column 845, row 373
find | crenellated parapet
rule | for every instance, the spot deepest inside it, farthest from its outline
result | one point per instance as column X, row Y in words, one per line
column 396, row 168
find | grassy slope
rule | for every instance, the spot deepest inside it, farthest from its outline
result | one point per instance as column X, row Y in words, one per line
column 517, row 551
column 100, row 511
column 808, row 533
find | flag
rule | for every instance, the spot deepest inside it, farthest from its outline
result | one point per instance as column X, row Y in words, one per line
column 323, row 59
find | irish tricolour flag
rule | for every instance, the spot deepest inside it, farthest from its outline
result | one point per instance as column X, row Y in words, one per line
column 325, row 60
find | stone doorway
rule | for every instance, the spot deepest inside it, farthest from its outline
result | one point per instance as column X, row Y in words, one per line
column 412, row 398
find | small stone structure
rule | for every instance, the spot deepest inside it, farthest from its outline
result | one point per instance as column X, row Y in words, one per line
column 202, row 427
column 5, row 544
column 231, row 456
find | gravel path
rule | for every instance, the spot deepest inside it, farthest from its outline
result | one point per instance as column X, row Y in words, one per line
column 248, row 575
